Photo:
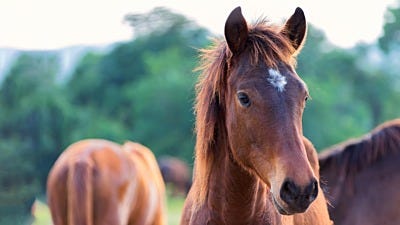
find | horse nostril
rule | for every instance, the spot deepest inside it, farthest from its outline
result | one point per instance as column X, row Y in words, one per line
column 297, row 198
column 311, row 191
column 289, row 192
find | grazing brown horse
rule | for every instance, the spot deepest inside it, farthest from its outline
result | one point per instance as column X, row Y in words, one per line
column 252, row 164
column 362, row 178
column 176, row 173
column 97, row 182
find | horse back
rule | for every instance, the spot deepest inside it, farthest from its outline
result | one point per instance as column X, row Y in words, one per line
column 361, row 177
column 375, row 189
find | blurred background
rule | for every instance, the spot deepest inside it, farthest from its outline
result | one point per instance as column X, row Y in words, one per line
column 138, row 85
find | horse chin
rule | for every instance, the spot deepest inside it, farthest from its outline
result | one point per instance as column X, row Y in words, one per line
column 287, row 211
column 280, row 209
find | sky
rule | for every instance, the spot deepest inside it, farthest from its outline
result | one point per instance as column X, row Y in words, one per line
column 52, row 24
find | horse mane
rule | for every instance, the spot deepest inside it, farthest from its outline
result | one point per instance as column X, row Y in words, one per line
column 265, row 42
column 356, row 154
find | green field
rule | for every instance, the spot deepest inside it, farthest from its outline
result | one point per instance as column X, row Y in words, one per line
column 174, row 206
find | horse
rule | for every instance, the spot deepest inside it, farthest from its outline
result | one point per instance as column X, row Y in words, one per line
column 361, row 177
column 175, row 173
column 252, row 163
column 99, row 182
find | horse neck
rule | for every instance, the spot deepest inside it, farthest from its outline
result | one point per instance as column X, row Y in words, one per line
column 236, row 196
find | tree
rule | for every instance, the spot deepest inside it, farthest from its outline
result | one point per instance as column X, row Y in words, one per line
column 391, row 29
column 18, row 181
column 33, row 129
column 351, row 91
column 163, row 110
column 144, row 86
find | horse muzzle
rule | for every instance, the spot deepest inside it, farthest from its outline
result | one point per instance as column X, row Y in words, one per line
column 295, row 199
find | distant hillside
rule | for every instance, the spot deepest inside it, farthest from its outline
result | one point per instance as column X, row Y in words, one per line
column 68, row 58
column 7, row 57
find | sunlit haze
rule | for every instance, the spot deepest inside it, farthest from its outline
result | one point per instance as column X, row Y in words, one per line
column 49, row 24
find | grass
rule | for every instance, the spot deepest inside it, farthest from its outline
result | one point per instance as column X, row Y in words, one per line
column 42, row 214
column 174, row 209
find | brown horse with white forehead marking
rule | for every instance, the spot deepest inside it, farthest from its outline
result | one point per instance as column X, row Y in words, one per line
column 98, row 182
column 253, row 165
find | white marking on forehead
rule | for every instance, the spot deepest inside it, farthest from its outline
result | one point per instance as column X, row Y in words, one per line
column 277, row 79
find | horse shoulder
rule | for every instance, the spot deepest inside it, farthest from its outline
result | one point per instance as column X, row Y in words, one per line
column 187, row 210
column 193, row 214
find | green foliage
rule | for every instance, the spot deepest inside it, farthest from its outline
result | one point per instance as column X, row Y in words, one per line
column 35, row 110
column 143, row 89
column 18, row 181
column 84, row 84
column 163, row 104
column 166, row 29
column 349, row 92
column 391, row 29
column 332, row 90
column 33, row 129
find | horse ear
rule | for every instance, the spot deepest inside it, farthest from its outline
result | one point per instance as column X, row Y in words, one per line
column 296, row 28
column 236, row 31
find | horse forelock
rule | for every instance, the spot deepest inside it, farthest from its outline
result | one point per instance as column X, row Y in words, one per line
column 356, row 154
column 265, row 42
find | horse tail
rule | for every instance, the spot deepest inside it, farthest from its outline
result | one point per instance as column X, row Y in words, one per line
column 80, row 193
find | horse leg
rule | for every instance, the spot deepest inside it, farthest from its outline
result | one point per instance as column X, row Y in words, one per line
column 106, row 207
column 110, row 217
column 57, row 199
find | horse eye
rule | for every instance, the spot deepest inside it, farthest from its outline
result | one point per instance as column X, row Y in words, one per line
column 306, row 98
column 244, row 99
